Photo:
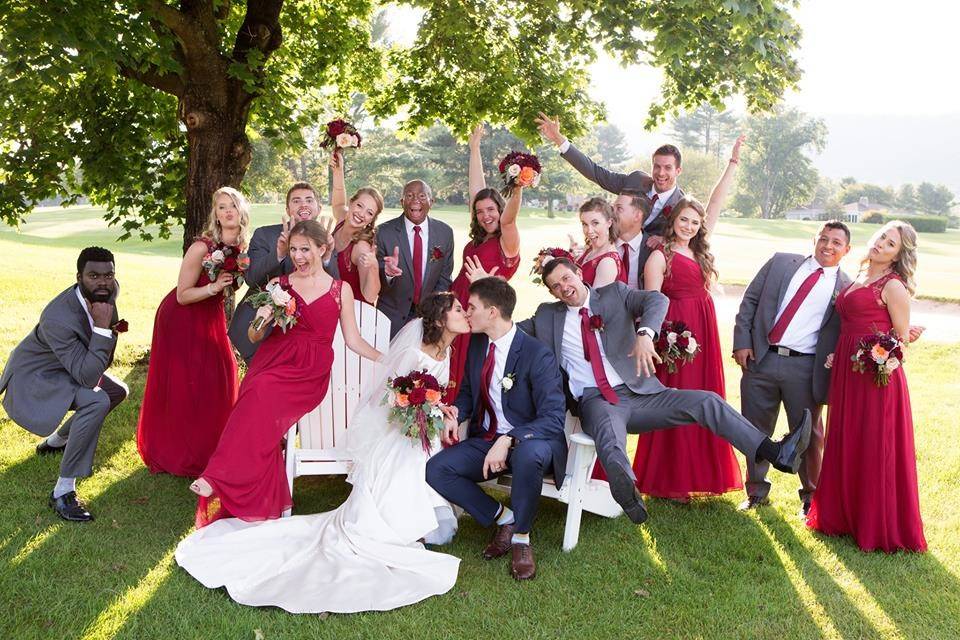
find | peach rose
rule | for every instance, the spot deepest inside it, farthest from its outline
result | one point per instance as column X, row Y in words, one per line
column 527, row 174
column 878, row 353
column 291, row 307
column 433, row 396
column 402, row 400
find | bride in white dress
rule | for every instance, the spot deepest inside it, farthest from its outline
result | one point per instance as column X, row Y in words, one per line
column 367, row 554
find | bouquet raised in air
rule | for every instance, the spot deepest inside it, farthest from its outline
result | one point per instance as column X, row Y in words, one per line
column 880, row 354
column 545, row 256
column 281, row 302
column 414, row 401
column 519, row 170
column 228, row 259
column 340, row 134
column 676, row 345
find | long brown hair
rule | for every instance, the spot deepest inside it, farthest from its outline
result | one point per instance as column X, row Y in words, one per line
column 699, row 244
column 477, row 232
column 905, row 264
column 367, row 232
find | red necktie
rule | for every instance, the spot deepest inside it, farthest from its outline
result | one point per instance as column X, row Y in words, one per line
column 591, row 351
column 486, row 406
column 626, row 264
column 417, row 264
column 776, row 334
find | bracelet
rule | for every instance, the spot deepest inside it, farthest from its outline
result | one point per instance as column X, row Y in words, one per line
column 210, row 289
column 734, row 161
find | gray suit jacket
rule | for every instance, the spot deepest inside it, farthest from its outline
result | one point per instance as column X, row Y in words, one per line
column 618, row 183
column 758, row 312
column 263, row 267
column 620, row 307
column 61, row 355
column 396, row 295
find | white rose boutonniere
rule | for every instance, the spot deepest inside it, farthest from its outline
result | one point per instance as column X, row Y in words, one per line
column 507, row 382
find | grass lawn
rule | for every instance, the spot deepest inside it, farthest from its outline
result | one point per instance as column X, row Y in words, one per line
column 697, row 571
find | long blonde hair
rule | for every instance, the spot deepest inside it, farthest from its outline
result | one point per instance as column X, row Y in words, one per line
column 905, row 264
column 699, row 244
column 213, row 230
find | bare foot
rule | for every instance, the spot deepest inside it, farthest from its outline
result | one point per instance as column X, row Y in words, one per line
column 201, row 487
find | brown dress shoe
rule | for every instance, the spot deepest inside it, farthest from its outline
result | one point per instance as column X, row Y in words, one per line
column 523, row 566
column 500, row 543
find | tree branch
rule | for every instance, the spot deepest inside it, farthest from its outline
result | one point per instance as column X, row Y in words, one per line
column 172, row 19
column 167, row 82
column 260, row 29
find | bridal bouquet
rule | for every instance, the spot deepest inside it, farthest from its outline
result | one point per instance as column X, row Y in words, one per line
column 676, row 345
column 519, row 170
column 545, row 256
column 340, row 134
column 226, row 258
column 414, row 401
column 282, row 303
column 880, row 354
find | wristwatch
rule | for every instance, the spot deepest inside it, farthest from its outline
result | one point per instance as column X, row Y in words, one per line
column 644, row 331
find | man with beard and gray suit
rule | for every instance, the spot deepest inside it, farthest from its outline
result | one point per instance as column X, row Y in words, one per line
column 784, row 331
column 609, row 369
column 660, row 187
column 415, row 254
column 269, row 259
column 61, row 366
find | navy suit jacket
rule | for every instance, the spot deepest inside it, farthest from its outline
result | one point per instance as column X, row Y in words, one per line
column 535, row 405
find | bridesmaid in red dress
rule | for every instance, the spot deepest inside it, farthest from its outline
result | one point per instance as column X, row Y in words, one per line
column 245, row 477
column 689, row 461
column 192, row 378
column 600, row 262
column 354, row 253
column 868, row 484
column 493, row 250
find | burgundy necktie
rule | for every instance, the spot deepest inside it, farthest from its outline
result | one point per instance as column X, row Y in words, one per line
column 626, row 263
column 486, row 406
column 417, row 264
column 776, row 334
column 591, row 350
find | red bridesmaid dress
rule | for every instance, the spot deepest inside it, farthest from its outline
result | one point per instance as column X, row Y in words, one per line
column 347, row 271
column 191, row 384
column 868, row 483
column 589, row 267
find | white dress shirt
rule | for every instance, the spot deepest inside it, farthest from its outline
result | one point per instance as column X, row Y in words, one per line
column 804, row 329
column 424, row 237
column 660, row 203
column 500, row 351
column 579, row 371
column 634, row 273
column 106, row 333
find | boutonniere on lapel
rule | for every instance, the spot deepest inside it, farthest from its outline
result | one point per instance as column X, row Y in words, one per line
column 120, row 326
column 507, row 382
column 666, row 211
column 596, row 323
column 436, row 254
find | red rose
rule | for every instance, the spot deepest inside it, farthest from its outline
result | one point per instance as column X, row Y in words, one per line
column 596, row 323
column 436, row 254
column 120, row 326
column 418, row 395
column 430, row 383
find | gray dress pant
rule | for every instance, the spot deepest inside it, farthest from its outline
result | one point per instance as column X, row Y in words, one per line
column 82, row 430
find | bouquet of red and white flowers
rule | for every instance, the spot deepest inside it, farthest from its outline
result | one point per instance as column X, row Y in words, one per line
column 226, row 258
column 282, row 303
column 519, row 170
column 676, row 345
column 545, row 256
column 414, row 401
column 340, row 134
column 880, row 354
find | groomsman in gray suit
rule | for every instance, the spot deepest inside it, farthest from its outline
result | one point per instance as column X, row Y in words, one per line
column 609, row 368
column 61, row 366
column 660, row 186
column 784, row 331
column 415, row 254
column 269, row 259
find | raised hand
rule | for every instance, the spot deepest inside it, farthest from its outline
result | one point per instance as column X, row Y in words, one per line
column 102, row 314
column 576, row 248
column 336, row 159
column 283, row 242
column 473, row 269
column 328, row 225
column 391, row 264
column 550, row 128
column 475, row 136
column 735, row 152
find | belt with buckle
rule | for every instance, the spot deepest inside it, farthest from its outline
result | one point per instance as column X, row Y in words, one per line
column 790, row 353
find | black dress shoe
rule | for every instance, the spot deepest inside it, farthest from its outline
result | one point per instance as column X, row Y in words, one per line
column 793, row 446
column 44, row 449
column 804, row 510
column 752, row 502
column 70, row 508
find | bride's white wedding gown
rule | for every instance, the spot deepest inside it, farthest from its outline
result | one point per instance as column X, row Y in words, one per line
column 362, row 556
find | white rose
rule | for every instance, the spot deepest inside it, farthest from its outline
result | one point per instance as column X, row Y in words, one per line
column 435, row 412
column 692, row 345
column 513, row 170
column 891, row 365
column 536, row 181
column 344, row 140
column 507, row 384
column 217, row 256
column 687, row 334
column 279, row 296
column 671, row 337
column 354, row 141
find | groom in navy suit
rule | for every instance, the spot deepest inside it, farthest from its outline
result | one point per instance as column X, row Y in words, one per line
column 512, row 396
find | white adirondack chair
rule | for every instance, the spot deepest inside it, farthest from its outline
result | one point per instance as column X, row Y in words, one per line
column 315, row 443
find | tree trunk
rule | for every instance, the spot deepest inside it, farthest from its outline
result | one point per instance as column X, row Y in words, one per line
column 550, row 213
